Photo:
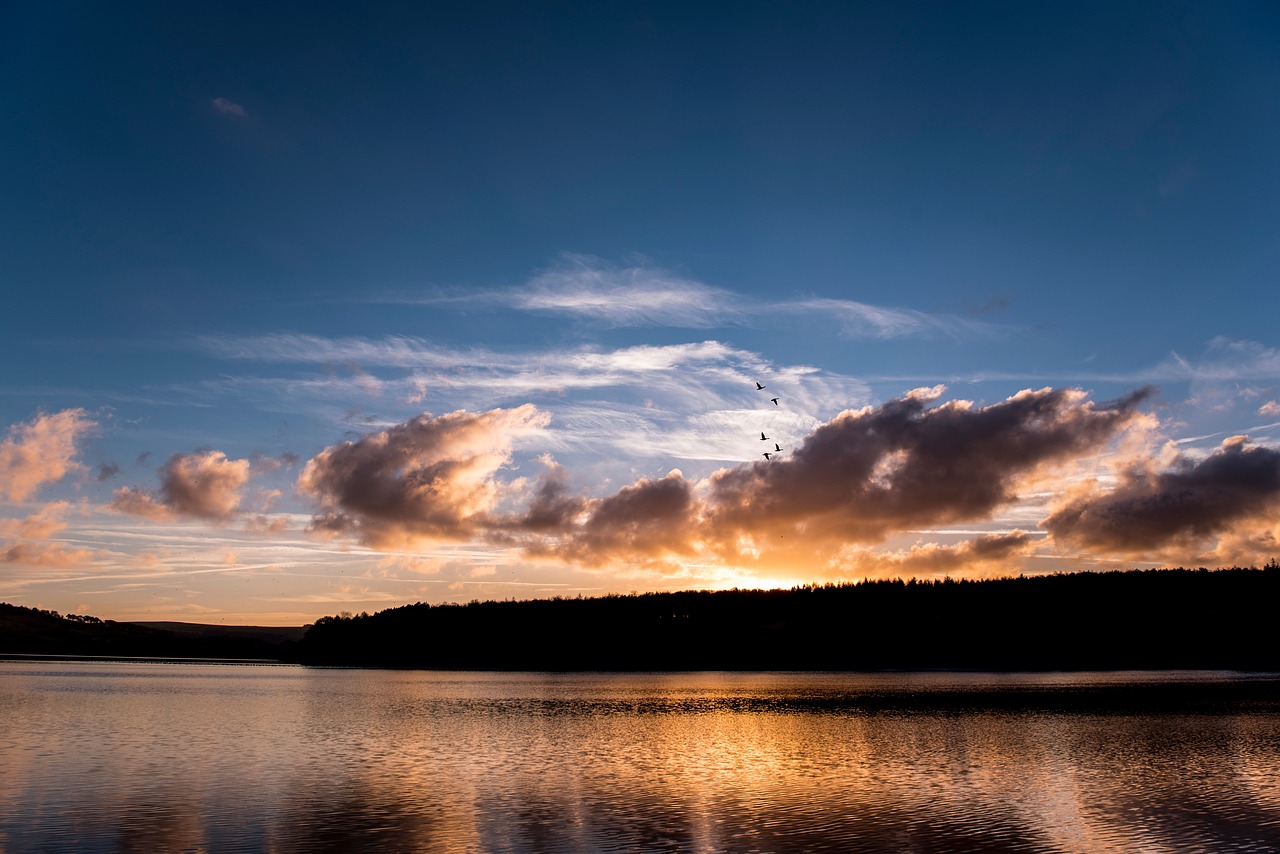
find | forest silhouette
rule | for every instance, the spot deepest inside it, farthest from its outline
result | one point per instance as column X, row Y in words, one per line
column 1138, row 619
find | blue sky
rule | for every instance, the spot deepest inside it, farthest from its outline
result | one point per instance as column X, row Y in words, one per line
column 235, row 237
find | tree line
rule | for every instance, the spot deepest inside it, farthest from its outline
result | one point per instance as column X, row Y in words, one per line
column 1139, row 619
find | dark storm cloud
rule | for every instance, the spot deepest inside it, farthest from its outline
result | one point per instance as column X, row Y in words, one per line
column 1186, row 505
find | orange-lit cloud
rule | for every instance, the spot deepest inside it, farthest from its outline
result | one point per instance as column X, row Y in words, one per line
column 203, row 485
column 41, row 451
column 855, row 480
column 48, row 521
column 27, row 535
column 990, row 554
column 1185, row 506
column 906, row 464
column 139, row 502
column 44, row 554
column 265, row 525
column 648, row 520
column 431, row 478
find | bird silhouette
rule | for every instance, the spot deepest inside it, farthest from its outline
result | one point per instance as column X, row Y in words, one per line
column 764, row 438
column 777, row 447
column 759, row 387
column 775, row 401
column 767, row 455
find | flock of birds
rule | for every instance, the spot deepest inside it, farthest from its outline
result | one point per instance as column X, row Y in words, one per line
column 768, row 455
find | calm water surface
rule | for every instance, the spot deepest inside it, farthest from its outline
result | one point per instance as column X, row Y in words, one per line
column 155, row 757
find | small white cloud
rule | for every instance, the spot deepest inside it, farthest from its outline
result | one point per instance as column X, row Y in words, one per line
column 1271, row 408
column 229, row 108
column 627, row 296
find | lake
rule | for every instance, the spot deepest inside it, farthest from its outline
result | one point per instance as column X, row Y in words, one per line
column 155, row 757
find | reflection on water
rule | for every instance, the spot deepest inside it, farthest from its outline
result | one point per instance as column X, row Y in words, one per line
column 138, row 757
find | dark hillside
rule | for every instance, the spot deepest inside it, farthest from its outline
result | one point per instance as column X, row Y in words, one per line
column 30, row 631
column 266, row 634
column 1150, row 619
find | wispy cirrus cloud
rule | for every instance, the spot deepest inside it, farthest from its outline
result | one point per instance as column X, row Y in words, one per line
column 638, row 295
column 228, row 108
column 705, row 375
column 642, row 294
column 692, row 401
column 861, row 320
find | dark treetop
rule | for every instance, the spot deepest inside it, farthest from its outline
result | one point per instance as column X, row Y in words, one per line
column 1141, row 619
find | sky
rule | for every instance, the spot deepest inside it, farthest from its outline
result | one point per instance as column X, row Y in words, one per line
column 327, row 307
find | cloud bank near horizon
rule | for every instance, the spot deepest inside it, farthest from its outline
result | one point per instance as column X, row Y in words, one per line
column 829, row 506
column 860, row 478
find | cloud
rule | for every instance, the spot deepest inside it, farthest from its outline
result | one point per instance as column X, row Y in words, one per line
column 1271, row 409
column 26, row 546
column 904, row 464
column 266, row 526
column 674, row 402
column 138, row 502
column 228, row 108
column 106, row 471
column 990, row 554
column 642, row 294
column 853, row 481
column 1184, row 506
column 638, row 295
column 860, row 320
column 402, row 351
column 44, row 554
column 431, row 478
column 41, row 451
column 263, row 464
column 646, row 521
column 46, row 522
column 203, row 485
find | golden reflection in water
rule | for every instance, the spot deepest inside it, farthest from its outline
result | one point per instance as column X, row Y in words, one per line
column 293, row 760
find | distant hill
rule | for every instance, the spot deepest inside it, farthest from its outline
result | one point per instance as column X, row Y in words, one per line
column 31, row 631
column 1140, row 619
column 266, row 634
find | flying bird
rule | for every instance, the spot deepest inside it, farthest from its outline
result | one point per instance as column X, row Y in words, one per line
column 767, row 455
column 759, row 387
column 764, row 438
column 775, row 401
column 777, row 447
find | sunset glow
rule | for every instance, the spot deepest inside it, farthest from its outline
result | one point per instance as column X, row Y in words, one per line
column 295, row 327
